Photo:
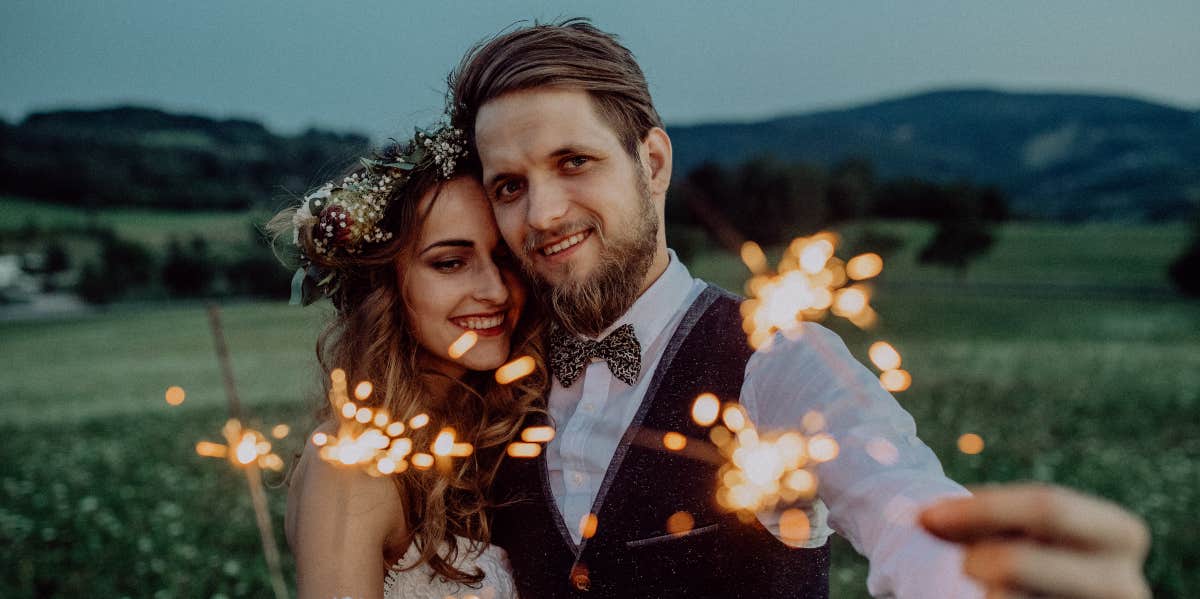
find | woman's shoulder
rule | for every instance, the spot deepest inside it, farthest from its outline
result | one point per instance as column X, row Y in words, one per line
column 324, row 495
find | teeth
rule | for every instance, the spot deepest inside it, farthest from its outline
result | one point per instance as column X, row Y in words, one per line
column 481, row 322
column 564, row 244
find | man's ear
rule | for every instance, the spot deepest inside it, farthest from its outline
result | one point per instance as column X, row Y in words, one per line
column 656, row 156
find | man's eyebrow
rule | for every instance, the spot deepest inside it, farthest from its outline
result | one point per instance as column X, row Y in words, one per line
column 458, row 243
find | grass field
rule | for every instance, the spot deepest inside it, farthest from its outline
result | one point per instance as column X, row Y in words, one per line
column 103, row 495
column 150, row 227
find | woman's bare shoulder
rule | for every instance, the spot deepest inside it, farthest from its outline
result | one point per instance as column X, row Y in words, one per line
column 339, row 523
column 324, row 495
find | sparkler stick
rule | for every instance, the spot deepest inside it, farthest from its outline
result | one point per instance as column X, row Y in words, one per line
column 253, row 475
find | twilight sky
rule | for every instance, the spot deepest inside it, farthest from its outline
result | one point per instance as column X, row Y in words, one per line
column 379, row 66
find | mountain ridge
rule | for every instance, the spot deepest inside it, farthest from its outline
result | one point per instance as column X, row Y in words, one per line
column 1072, row 156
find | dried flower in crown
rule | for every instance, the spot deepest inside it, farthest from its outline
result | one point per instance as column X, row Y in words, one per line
column 344, row 216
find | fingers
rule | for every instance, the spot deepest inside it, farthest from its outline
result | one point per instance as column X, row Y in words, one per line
column 1009, row 568
column 1049, row 514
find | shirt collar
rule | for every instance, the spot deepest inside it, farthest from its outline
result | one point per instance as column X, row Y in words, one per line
column 653, row 310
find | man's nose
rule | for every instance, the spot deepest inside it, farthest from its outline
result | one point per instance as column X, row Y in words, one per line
column 547, row 205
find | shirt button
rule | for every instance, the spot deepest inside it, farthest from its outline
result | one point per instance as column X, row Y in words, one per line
column 589, row 408
column 578, row 479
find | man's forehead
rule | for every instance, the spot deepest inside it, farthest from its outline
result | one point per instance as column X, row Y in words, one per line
column 538, row 122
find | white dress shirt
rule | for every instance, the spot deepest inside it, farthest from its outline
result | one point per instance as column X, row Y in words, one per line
column 872, row 501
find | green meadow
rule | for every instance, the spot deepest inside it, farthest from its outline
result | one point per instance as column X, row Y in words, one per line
column 1063, row 348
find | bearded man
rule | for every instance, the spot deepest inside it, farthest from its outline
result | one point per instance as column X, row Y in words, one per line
column 577, row 164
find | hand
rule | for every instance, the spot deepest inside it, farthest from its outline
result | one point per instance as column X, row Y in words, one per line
column 1024, row 540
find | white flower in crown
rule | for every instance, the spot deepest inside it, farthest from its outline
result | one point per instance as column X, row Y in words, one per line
column 304, row 217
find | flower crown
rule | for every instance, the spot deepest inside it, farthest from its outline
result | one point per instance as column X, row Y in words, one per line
column 344, row 217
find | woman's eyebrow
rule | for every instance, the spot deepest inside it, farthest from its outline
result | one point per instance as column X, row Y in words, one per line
column 458, row 243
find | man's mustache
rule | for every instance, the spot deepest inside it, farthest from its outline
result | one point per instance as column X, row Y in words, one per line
column 537, row 239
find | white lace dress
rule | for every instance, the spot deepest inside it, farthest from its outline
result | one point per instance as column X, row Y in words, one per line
column 422, row 583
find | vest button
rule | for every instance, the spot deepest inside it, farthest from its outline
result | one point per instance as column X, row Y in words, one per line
column 581, row 582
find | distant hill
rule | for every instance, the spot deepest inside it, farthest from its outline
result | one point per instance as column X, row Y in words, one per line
column 1063, row 156
column 1060, row 156
column 134, row 156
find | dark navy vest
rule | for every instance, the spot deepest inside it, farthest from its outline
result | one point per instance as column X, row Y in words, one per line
column 631, row 553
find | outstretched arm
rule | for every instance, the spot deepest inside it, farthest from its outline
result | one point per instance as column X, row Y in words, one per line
column 338, row 522
column 1033, row 538
column 883, row 473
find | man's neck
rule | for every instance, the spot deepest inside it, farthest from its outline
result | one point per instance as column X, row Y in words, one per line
column 661, row 260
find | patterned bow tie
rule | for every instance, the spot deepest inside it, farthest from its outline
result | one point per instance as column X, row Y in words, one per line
column 570, row 354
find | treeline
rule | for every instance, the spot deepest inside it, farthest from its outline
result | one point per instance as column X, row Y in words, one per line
column 771, row 201
column 101, row 266
column 131, row 156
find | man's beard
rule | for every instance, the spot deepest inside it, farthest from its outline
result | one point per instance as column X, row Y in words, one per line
column 587, row 307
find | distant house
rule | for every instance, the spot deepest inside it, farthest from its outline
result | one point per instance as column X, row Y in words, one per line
column 15, row 283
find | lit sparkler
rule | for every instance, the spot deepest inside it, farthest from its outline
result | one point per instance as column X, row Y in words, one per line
column 760, row 472
column 247, row 449
column 810, row 283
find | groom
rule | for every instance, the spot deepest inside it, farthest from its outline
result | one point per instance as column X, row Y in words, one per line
column 577, row 164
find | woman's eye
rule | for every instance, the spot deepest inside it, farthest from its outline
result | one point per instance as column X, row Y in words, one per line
column 448, row 265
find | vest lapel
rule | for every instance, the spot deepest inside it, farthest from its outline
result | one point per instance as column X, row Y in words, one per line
column 697, row 309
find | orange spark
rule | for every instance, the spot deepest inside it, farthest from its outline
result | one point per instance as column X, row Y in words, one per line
column 444, row 443
column 970, row 444
column 421, row 461
column 517, row 369
column 734, row 418
column 247, row 450
column 175, row 395
column 386, row 466
column 864, row 266
column 537, row 434
column 364, row 415
column 849, row 301
column 524, row 450
column 680, row 523
column 705, row 409
column 463, row 344
column 674, row 441
column 587, row 525
column 822, row 448
column 895, row 380
column 209, row 449
column 363, row 390
column 794, row 527
column 884, row 355
column 754, row 258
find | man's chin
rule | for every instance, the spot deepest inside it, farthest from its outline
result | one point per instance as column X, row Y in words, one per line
column 570, row 273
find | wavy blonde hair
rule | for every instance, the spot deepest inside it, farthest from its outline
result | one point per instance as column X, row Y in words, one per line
column 372, row 339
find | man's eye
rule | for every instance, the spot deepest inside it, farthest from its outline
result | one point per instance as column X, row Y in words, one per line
column 508, row 190
column 575, row 162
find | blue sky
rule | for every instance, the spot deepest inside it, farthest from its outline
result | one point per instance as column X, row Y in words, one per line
column 379, row 67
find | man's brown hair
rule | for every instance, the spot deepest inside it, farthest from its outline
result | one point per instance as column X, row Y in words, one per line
column 571, row 54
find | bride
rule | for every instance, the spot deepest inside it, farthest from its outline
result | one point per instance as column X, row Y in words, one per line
column 407, row 249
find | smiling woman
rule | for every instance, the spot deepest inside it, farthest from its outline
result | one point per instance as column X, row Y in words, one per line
column 406, row 247
column 461, row 280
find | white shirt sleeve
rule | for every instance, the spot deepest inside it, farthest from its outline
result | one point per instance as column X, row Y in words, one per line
column 883, row 473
